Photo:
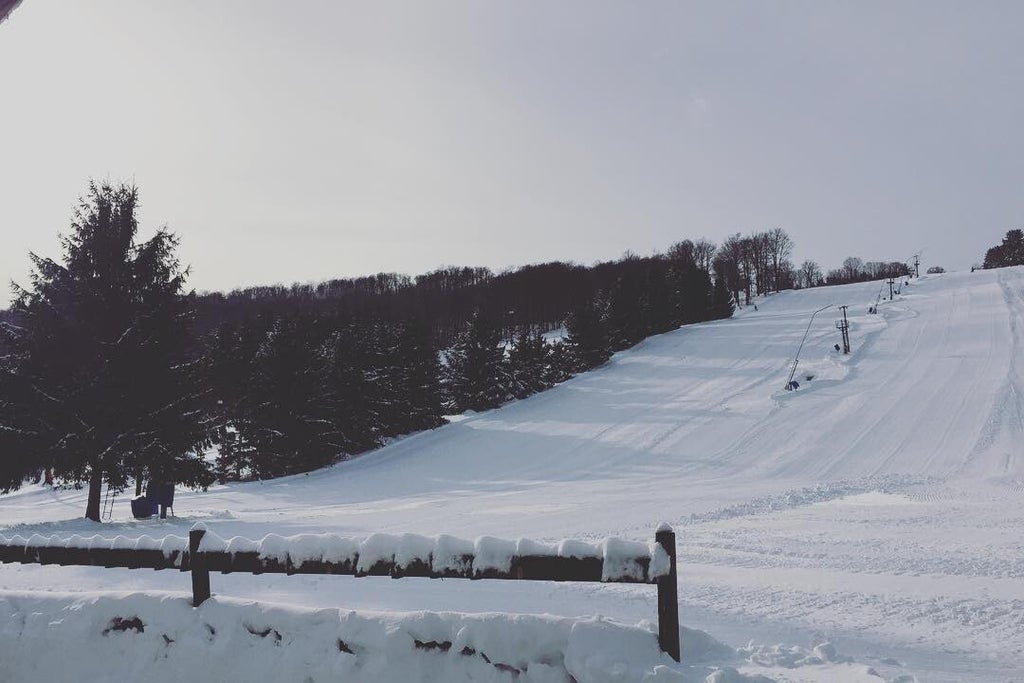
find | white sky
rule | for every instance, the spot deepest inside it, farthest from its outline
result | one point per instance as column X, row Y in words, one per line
column 297, row 141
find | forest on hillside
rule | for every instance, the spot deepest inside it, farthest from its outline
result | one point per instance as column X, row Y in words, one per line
column 112, row 372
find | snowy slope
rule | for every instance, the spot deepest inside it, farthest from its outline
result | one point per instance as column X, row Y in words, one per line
column 879, row 506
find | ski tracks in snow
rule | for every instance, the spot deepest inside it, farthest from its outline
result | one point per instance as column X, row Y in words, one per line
column 1004, row 430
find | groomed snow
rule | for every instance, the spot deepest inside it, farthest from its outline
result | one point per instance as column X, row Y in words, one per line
column 878, row 508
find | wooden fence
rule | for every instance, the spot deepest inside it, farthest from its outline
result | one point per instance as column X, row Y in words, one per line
column 201, row 562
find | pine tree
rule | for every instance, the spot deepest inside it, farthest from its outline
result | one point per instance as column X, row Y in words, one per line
column 561, row 364
column 628, row 311
column 695, row 296
column 355, row 394
column 102, row 349
column 229, row 353
column 475, row 372
column 1008, row 253
column 588, row 336
column 528, row 363
column 18, row 427
column 722, row 305
column 235, row 456
column 419, row 378
column 283, row 418
column 662, row 297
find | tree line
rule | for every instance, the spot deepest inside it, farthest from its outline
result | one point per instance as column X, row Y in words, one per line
column 300, row 389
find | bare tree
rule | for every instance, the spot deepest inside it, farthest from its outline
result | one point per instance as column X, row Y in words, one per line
column 851, row 268
column 728, row 264
column 785, row 277
column 760, row 261
column 748, row 266
column 682, row 252
column 809, row 273
column 704, row 254
column 780, row 248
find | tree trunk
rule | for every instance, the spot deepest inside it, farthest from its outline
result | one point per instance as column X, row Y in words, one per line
column 92, row 508
column 138, row 482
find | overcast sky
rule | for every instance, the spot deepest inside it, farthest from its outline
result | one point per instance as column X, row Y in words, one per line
column 297, row 141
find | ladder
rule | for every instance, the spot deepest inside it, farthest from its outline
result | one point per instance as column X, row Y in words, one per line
column 108, row 504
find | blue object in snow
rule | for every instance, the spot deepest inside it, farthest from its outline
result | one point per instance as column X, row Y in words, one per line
column 143, row 507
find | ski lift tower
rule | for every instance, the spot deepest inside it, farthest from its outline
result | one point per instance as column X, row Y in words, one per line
column 844, row 328
column 790, row 385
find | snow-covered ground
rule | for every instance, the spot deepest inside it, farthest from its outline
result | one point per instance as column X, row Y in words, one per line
column 878, row 508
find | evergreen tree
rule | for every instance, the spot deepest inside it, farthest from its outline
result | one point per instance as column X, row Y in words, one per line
column 662, row 297
column 102, row 385
column 722, row 305
column 561, row 363
column 628, row 310
column 235, row 456
column 691, row 285
column 229, row 353
column 1009, row 253
column 280, row 421
column 230, row 356
column 356, row 390
column 419, row 381
column 696, row 295
column 528, row 362
column 18, row 427
column 475, row 372
column 588, row 342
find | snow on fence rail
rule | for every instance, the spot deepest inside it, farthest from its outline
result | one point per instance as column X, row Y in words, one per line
column 408, row 555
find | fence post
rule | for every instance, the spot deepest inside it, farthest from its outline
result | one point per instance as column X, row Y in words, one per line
column 668, row 597
column 200, row 574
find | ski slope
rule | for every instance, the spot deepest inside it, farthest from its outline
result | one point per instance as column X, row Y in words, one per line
column 877, row 507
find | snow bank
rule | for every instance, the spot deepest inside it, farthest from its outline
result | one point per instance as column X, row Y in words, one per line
column 161, row 638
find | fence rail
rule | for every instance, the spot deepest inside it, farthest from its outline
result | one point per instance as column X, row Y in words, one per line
column 201, row 562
